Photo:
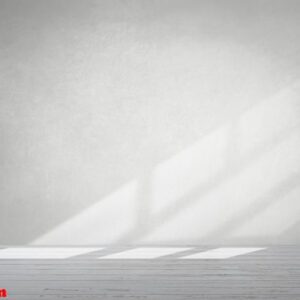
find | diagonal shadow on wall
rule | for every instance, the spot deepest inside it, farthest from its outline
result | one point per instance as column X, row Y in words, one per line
column 235, row 166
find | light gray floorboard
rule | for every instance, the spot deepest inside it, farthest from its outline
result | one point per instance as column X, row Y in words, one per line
column 273, row 273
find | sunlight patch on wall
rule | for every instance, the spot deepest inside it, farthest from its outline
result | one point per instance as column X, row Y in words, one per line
column 222, row 181
column 103, row 222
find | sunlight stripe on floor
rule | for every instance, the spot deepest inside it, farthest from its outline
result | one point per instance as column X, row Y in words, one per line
column 43, row 253
column 221, row 253
column 145, row 253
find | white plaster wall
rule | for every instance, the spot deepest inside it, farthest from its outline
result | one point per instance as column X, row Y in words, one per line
column 149, row 122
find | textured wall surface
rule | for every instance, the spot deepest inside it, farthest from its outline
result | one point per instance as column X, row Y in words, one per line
column 149, row 122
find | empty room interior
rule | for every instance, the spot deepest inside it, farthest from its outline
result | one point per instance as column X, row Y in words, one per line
column 150, row 149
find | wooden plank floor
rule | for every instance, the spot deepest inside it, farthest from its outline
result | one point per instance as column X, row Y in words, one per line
column 272, row 273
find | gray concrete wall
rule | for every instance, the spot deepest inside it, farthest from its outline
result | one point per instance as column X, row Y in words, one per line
column 149, row 122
